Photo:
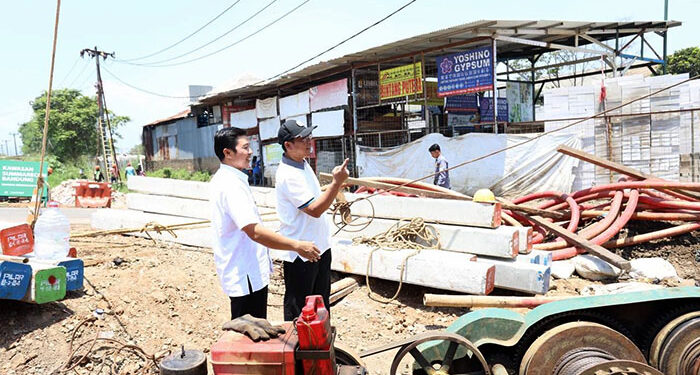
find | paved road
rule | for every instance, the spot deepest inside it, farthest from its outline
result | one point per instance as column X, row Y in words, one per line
column 76, row 216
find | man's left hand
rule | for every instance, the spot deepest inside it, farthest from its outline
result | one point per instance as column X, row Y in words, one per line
column 341, row 173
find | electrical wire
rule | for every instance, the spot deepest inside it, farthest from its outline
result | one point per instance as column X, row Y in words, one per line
column 339, row 44
column 87, row 63
column 146, row 91
column 69, row 71
column 187, row 37
column 236, row 42
column 155, row 63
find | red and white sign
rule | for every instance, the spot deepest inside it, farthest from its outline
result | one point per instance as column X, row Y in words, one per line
column 329, row 95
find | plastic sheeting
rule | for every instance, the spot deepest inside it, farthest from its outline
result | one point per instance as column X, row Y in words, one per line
column 532, row 167
column 266, row 108
column 294, row 105
column 244, row 119
column 329, row 123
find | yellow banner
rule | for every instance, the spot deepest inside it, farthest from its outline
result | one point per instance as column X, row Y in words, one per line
column 401, row 81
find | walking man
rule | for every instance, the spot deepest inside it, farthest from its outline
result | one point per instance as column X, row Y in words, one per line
column 301, row 208
column 442, row 177
column 241, row 242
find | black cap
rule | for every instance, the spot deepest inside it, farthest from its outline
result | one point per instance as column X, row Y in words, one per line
column 291, row 129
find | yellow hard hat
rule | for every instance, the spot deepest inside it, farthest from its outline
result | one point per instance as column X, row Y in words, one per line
column 484, row 195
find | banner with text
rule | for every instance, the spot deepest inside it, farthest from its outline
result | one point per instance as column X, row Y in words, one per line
column 18, row 178
column 486, row 110
column 465, row 72
column 401, row 81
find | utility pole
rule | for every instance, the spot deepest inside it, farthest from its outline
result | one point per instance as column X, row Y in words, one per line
column 14, row 137
column 664, row 66
column 106, row 138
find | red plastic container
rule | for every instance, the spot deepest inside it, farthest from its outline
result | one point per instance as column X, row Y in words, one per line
column 314, row 330
column 235, row 354
column 17, row 240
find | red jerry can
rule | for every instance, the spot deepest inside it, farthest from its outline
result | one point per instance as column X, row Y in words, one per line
column 314, row 330
column 17, row 240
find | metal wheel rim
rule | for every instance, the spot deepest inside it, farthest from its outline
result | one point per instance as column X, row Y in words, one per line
column 452, row 338
column 619, row 367
column 660, row 339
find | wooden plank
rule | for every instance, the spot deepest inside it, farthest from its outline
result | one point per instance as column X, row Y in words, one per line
column 616, row 167
column 325, row 177
column 583, row 243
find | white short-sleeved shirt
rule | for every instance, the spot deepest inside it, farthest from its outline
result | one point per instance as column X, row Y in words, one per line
column 238, row 259
column 297, row 186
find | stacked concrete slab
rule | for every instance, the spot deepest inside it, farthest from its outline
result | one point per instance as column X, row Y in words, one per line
column 476, row 253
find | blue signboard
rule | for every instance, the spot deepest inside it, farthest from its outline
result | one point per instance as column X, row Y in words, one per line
column 462, row 103
column 465, row 72
column 486, row 110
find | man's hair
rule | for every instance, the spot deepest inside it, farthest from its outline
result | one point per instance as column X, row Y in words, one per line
column 226, row 138
column 434, row 147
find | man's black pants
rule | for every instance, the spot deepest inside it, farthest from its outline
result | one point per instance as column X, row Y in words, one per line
column 303, row 279
column 254, row 304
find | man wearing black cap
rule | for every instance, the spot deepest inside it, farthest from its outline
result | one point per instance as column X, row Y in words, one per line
column 301, row 206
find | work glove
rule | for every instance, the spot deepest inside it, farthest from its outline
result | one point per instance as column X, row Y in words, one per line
column 255, row 328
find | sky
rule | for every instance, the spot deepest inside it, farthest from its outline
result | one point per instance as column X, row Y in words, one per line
column 133, row 29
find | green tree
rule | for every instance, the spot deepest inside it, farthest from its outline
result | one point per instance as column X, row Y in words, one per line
column 686, row 60
column 137, row 150
column 72, row 126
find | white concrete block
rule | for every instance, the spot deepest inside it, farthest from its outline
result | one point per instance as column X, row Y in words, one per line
column 169, row 187
column 525, row 235
column 519, row 276
column 502, row 242
column 446, row 211
column 162, row 204
column 542, row 257
column 432, row 268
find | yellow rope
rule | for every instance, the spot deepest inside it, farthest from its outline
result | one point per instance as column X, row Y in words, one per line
column 414, row 234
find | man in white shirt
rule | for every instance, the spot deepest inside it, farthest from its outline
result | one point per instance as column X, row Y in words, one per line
column 442, row 175
column 241, row 242
column 301, row 208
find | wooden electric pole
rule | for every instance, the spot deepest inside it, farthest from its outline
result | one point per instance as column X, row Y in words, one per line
column 106, row 138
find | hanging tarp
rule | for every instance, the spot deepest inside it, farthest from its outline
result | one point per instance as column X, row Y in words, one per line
column 532, row 167
column 329, row 95
column 329, row 124
column 268, row 128
column 244, row 119
column 294, row 105
column 266, row 108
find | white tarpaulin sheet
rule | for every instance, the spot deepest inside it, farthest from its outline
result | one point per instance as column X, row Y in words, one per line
column 266, row 108
column 301, row 119
column 244, row 119
column 294, row 105
column 329, row 123
column 268, row 128
column 534, row 166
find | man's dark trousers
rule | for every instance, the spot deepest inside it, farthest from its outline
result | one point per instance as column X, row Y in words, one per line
column 254, row 304
column 303, row 279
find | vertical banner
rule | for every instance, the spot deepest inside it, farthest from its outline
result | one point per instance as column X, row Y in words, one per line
column 401, row 81
column 519, row 96
column 465, row 72
column 486, row 110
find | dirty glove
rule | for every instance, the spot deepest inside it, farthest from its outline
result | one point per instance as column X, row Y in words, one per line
column 255, row 328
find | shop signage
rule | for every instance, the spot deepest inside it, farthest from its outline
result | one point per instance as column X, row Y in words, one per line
column 465, row 72
column 401, row 81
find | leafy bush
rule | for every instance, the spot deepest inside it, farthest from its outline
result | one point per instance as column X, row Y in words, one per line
column 180, row 174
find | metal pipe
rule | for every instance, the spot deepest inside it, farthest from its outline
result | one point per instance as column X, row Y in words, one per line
column 609, row 233
column 487, row 301
column 646, row 237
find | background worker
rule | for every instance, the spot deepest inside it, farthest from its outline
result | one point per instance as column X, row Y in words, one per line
column 241, row 242
column 129, row 170
column 98, row 176
column 301, row 206
column 442, row 178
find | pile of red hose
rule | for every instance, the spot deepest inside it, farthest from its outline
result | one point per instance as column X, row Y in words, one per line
column 615, row 205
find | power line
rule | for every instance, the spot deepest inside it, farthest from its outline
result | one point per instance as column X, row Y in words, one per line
column 236, row 42
column 187, row 37
column 154, row 63
column 79, row 74
column 339, row 44
column 69, row 71
column 147, row 91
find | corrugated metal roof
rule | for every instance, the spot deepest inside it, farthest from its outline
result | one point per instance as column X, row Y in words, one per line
column 177, row 116
column 454, row 39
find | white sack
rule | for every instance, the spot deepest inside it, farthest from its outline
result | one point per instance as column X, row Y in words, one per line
column 268, row 128
column 617, row 288
column 294, row 105
column 652, row 268
column 244, row 119
column 329, row 123
column 562, row 269
column 593, row 268
column 534, row 166
column 266, row 108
